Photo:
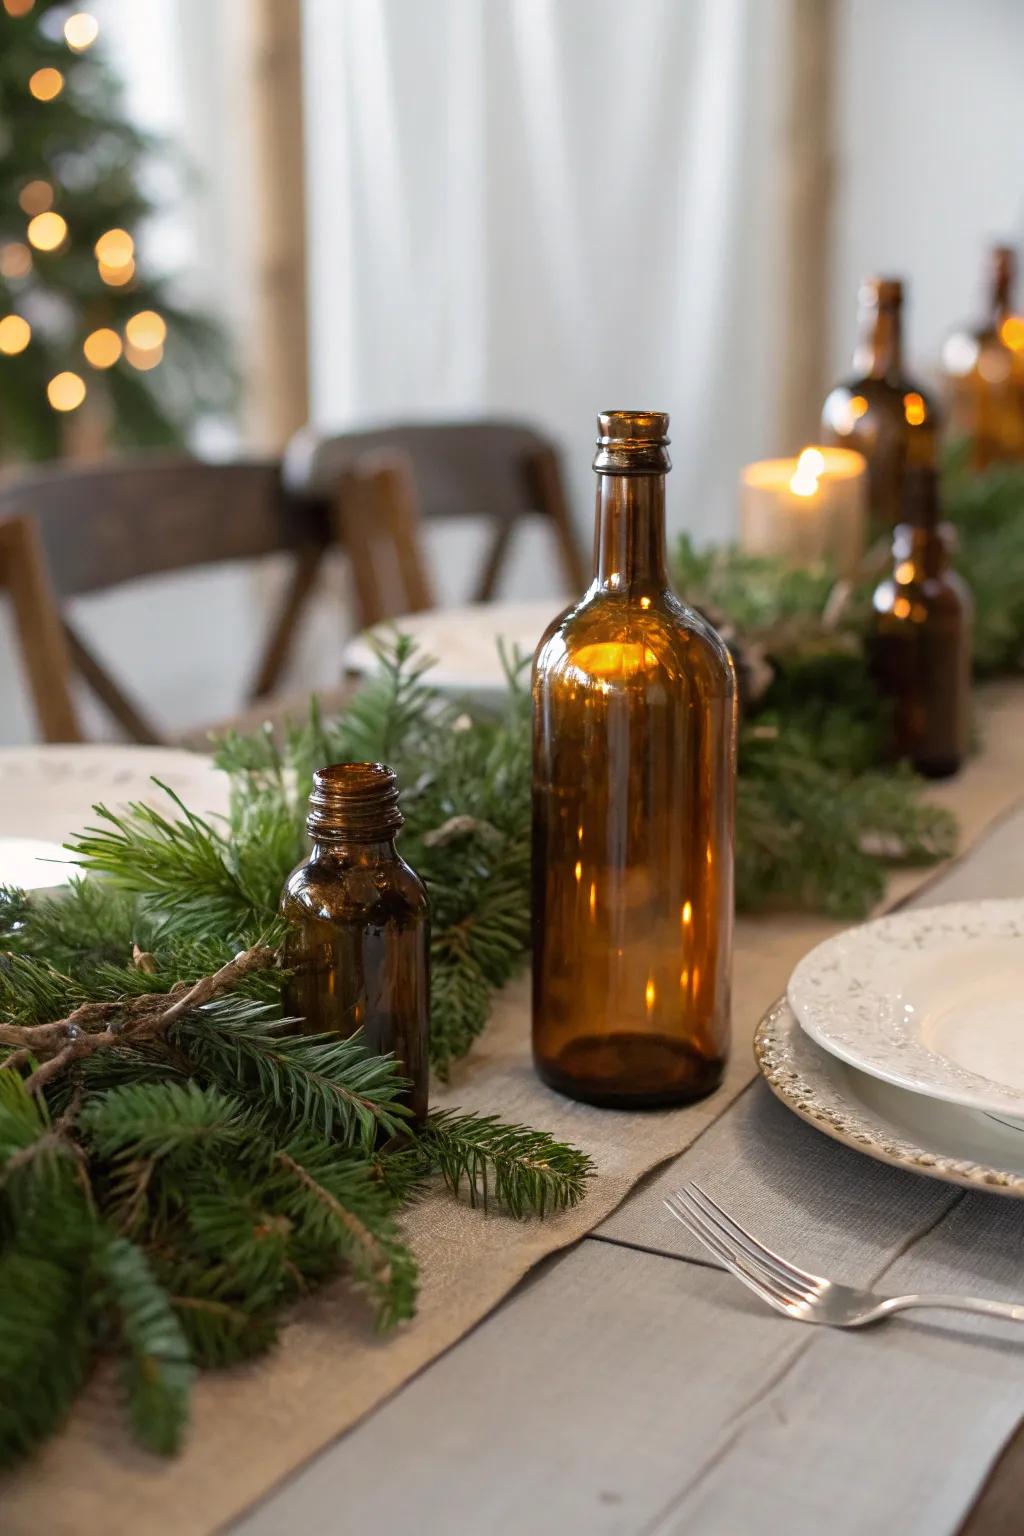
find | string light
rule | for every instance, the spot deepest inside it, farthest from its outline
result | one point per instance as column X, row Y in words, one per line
column 114, row 249
column 15, row 259
column 15, row 335
column 102, row 348
column 81, row 31
column 18, row 7
column 143, row 358
column 35, row 197
column 45, row 84
column 47, row 231
column 146, row 330
column 65, row 391
column 116, row 277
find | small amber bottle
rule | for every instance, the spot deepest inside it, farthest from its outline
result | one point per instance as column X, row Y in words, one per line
column 358, row 939
column 634, row 741
column 921, row 640
column 880, row 410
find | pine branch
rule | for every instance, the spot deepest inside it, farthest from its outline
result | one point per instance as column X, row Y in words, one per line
column 334, row 1085
column 528, row 1171
column 156, row 1366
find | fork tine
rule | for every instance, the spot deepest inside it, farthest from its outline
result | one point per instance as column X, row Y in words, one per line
column 791, row 1290
column 760, row 1285
column 751, row 1245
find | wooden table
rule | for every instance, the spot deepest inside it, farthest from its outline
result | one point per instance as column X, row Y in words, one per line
column 630, row 1388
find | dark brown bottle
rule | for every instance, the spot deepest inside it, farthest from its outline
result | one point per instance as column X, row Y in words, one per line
column 634, row 754
column 921, row 639
column 358, row 923
column 984, row 368
column 881, row 411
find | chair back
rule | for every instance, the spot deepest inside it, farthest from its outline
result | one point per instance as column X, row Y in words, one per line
column 66, row 530
column 495, row 469
column 104, row 524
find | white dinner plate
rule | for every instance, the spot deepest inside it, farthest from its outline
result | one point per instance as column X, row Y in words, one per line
column 922, row 1135
column 930, row 999
column 47, row 795
column 463, row 643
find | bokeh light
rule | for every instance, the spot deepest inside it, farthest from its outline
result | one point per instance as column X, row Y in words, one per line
column 18, row 7
column 15, row 334
column 47, row 231
column 146, row 330
column 116, row 277
column 46, row 83
column 914, row 409
column 35, row 197
column 143, row 358
column 81, row 31
column 102, row 347
column 66, row 391
column 115, row 249
column 15, row 259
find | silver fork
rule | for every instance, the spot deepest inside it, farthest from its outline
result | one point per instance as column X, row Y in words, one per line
column 791, row 1290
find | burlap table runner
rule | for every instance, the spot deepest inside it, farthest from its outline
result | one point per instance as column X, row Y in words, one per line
column 254, row 1425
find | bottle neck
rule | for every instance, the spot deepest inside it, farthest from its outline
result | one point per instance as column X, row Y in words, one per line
column 1000, row 303
column 629, row 535
column 879, row 353
column 353, row 811
column 342, row 850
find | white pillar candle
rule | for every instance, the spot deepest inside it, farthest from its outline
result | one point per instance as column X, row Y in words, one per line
column 808, row 509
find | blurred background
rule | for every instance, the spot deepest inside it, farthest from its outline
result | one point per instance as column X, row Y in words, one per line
column 248, row 228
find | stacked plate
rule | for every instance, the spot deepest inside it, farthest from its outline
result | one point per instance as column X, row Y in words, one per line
column 905, row 1039
column 47, row 795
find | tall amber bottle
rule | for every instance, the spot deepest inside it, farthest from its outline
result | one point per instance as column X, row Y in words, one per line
column 921, row 640
column 358, row 936
column 634, row 756
column 984, row 367
column 880, row 410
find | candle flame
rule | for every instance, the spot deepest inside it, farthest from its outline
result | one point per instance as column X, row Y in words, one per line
column 804, row 480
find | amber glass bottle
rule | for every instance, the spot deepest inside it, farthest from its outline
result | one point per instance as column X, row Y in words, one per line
column 921, row 640
column 634, row 742
column 880, row 411
column 358, row 934
column 984, row 367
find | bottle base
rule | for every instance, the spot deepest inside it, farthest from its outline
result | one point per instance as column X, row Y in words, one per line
column 938, row 767
column 631, row 1071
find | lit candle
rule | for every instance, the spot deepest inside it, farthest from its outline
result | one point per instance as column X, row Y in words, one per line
column 805, row 510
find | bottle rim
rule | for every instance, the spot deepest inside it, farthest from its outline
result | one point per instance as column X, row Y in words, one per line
column 357, row 800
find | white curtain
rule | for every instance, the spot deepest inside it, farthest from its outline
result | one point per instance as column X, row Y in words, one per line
column 544, row 208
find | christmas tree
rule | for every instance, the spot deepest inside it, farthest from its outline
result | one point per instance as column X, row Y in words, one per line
column 87, row 332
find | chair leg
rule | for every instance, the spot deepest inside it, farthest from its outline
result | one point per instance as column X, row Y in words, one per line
column 282, row 634
column 94, row 674
column 494, row 560
column 44, row 651
column 546, row 484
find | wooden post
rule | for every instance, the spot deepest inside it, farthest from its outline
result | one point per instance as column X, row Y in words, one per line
column 279, row 349
column 808, row 161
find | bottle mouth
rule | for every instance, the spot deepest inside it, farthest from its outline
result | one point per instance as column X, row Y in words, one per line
column 354, row 800
column 632, row 443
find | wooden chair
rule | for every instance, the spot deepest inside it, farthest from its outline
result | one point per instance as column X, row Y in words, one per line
column 69, row 530
column 499, row 470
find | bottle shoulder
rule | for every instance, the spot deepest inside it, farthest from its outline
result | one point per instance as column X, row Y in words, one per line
column 609, row 637
column 335, row 889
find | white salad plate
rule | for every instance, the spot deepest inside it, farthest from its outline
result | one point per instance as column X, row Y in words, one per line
column 893, row 1125
column 931, row 1000
column 47, row 795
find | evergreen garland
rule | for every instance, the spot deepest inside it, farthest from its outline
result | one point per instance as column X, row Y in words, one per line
column 175, row 1167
